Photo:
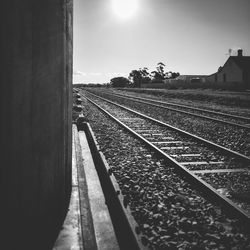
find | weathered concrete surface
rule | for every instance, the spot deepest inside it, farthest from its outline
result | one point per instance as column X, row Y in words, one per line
column 103, row 228
column 88, row 224
column 70, row 236
column 35, row 96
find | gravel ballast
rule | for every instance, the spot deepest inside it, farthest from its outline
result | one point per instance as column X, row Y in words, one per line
column 169, row 212
column 231, row 137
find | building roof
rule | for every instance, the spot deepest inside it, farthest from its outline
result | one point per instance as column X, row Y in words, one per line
column 243, row 62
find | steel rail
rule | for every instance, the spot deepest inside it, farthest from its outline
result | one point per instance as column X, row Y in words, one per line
column 212, row 194
column 190, row 107
column 180, row 111
column 200, row 139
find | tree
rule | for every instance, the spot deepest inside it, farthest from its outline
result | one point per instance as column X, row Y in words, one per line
column 136, row 78
column 145, row 75
column 119, row 81
column 160, row 69
column 159, row 75
column 139, row 76
column 174, row 75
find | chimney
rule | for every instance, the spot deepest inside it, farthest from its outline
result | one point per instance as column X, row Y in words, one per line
column 240, row 52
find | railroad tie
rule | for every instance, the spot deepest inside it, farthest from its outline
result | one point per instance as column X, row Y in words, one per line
column 185, row 155
column 201, row 163
column 212, row 171
column 167, row 142
column 168, row 148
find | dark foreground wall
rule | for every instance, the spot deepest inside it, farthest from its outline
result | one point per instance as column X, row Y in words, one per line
column 35, row 96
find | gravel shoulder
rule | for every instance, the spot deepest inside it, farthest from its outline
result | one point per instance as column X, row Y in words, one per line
column 169, row 212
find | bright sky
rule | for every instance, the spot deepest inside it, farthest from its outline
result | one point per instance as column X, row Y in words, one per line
column 113, row 37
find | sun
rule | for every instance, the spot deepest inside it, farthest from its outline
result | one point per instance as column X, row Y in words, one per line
column 125, row 9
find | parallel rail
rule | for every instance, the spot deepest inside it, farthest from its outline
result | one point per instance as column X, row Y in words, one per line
column 161, row 104
column 200, row 139
column 211, row 192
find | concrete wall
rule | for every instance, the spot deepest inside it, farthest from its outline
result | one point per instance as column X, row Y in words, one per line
column 35, row 89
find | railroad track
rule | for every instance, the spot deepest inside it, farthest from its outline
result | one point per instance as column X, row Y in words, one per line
column 221, row 173
column 224, row 118
column 233, row 137
column 170, row 211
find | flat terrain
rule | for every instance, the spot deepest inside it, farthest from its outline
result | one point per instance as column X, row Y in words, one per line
column 226, row 101
column 171, row 213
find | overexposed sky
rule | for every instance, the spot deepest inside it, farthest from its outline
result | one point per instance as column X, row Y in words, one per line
column 113, row 37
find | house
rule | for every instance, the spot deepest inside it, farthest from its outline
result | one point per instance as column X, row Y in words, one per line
column 235, row 70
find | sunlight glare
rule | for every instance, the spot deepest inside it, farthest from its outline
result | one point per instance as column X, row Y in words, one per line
column 125, row 9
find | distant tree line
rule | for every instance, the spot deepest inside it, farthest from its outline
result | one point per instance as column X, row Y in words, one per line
column 141, row 76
